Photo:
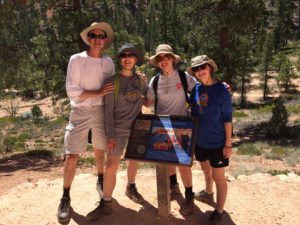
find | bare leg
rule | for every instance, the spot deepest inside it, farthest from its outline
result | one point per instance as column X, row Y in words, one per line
column 207, row 170
column 172, row 170
column 186, row 176
column 132, row 171
column 221, row 186
column 70, row 169
column 110, row 175
column 100, row 160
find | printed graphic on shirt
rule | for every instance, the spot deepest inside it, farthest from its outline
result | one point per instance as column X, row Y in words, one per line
column 178, row 86
column 132, row 94
column 203, row 100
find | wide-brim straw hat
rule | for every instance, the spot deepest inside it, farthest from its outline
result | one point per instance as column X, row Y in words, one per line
column 164, row 49
column 129, row 48
column 201, row 60
column 102, row 26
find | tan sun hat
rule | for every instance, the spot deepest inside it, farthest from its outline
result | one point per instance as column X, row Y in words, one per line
column 102, row 26
column 200, row 60
column 163, row 49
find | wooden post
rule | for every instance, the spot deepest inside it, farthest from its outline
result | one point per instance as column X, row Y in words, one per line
column 163, row 190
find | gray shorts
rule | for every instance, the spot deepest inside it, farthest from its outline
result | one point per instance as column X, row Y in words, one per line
column 122, row 136
column 82, row 119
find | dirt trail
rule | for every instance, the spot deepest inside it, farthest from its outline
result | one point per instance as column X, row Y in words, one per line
column 259, row 198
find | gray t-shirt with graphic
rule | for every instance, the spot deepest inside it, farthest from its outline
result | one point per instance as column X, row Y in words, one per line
column 120, row 111
column 170, row 94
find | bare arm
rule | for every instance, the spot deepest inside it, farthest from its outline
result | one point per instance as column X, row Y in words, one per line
column 147, row 102
column 106, row 89
column 227, row 151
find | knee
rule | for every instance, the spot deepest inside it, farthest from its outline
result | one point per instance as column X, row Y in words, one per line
column 220, row 178
column 72, row 159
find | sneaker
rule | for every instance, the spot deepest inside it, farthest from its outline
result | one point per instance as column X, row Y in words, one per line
column 103, row 208
column 133, row 194
column 203, row 196
column 63, row 212
column 174, row 190
column 99, row 188
column 216, row 218
column 188, row 207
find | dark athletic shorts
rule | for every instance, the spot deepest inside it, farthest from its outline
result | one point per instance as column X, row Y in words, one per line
column 215, row 156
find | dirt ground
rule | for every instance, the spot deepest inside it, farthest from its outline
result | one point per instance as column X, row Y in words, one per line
column 259, row 198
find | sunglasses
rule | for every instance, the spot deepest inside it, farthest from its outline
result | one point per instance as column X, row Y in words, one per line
column 198, row 68
column 97, row 36
column 162, row 58
column 124, row 56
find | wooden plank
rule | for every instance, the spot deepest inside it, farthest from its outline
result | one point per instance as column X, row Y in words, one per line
column 163, row 190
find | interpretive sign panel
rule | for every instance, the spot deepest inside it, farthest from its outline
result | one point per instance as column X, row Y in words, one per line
column 169, row 139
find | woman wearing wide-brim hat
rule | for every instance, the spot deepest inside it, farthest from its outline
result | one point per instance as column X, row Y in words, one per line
column 121, row 108
column 211, row 103
column 168, row 92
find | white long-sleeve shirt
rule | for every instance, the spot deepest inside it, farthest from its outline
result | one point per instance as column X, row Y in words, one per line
column 87, row 73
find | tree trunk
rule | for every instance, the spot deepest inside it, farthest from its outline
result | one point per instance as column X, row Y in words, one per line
column 298, row 18
column 224, row 40
column 266, row 82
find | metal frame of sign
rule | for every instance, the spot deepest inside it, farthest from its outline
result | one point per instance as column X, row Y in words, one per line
column 163, row 139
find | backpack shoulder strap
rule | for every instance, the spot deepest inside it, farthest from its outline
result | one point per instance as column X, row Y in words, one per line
column 155, row 84
column 184, row 84
column 116, row 85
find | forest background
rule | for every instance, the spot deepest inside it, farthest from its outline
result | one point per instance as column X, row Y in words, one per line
column 254, row 42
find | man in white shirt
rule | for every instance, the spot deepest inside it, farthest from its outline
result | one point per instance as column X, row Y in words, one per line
column 86, row 76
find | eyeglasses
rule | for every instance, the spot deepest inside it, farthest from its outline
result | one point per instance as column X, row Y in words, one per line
column 198, row 68
column 97, row 36
column 162, row 58
column 124, row 56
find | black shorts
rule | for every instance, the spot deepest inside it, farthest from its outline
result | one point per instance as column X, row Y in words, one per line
column 214, row 155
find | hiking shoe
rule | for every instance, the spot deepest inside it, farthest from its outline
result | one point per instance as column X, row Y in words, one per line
column 133, row 194
column 103, row 208
column 203, row 196
column 188, row 207
column 216, row 218
column 63, row 212
column 174, row 190
column 99, row 188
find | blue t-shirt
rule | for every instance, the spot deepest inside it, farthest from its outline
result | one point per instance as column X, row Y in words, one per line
column 212, row 105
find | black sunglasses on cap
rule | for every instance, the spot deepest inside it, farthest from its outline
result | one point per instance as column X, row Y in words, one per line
column 198, row 68
column 97, row 36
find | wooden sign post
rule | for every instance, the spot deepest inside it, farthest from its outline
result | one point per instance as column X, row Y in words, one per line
column 163, row 190
column 163, row 140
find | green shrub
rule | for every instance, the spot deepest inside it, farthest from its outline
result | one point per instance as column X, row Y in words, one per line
column 265, row 109
column 87, row 161
column 293, row 109
column 23, row 137
column 9, row 143
column 36, row 113
column 277, row 172
column 239, row 114
column 277, row 153
column 276, row 126
column 249, row 149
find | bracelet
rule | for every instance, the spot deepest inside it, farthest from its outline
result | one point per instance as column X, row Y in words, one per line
column 227, row 146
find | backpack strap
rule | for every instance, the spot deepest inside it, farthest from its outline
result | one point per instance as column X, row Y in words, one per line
column 116, row 85
column 155, row 84
column 184, row 84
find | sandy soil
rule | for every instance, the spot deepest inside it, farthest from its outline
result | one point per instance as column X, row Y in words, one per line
column 259, row 198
